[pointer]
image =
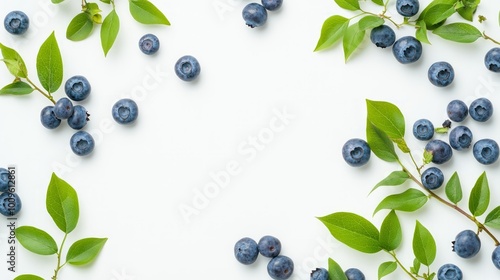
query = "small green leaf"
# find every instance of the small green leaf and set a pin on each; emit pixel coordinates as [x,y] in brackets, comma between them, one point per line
[401,143]
[352,39]
[441,130]
[408,201]
[332,30]
[385,269]
[480,196]
[493,218]
[353,230]
[396,178]
[146,12]
[57,1]
[106,1]
[378,2]
[109,31]
[421,32]
[17,88]
[430,6]
[351,5]
[369,22]
[386,117]
[438,13]
[28,276]
[458,32]
[62,204]
[453,188]
[380,144]
[390,232]
[427,157]
[468,9]
[80,27]
[85,250]
[416,266]
[335,271]
[424,245]
[49,64]
[14,62]
[36,240]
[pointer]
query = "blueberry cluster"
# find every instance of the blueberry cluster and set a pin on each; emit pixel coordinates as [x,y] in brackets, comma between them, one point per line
[10,203]
[321,273]
[255,14]
[246,251]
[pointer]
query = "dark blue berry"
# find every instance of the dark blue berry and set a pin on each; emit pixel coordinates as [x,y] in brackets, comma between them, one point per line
[272,5]
[356,152]
[48,118]
[254,14]
[481,109]
[77,88]
[407,8]
[383,36]
[407,49]
[432,178]
[457,110]
[187,68]
[320,274]
[441,74]
[149,44]
[10,204]
[485,151]
[440,150]
[63,108]
[492,60]
[246,250]
[82,143]
[125,111]
[460,138]
[423,129]
[449,272]
[467,244]
[280,267]
[4,179]
[269,246]
[354,274]
[495,257]
[16,22]
[79,118]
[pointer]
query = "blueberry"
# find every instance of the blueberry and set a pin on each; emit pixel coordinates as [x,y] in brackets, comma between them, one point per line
[466,244]
[10,204]
[485,151]
[492,60]
[481,109]
[407,8]
[125,111]
[457,110]
[77,88]
[246,250]
[82,143]
[4,179]
[16,22]
[432,178]
[320,274]
[449,272]
[272,5]
[269,246]
[495,257]
[48,118]
[254,14]
[441,74]
[354,274]
[407,49]
[63,108]
[187,68]
[280,267]
[79,118]
[460,138]
[149,44]
[356,152]
[423,129]
[383,36]
[440,150]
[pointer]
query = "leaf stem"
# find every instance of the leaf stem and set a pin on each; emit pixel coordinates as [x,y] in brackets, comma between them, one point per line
[46,94]
[489,38]
[393,254]
[59,254]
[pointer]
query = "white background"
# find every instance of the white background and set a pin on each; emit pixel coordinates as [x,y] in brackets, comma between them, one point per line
[132,187]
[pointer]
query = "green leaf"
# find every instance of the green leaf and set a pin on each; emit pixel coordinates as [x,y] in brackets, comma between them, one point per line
[396,178]
[468,9]
[453,188]
[369,22]
[386,117]
[85,250]
[109,31]
[415,269]
[28,276]
[49,64]
[390,232]
[480,196]
[36,240]
[421,32]
[146,12]
[62,204]
[458,32]
[335,271]
[17,88]
[380,144]
[378,2]
[332,30]
[14,62]
[427,157]
[106,1]
[57,1]
[408,201]
[80,27]
[493,218]
[353,230]
[352,39]
[424,245]
[401,143]
[438,13]
[351,5]
[385,269]
[430,6]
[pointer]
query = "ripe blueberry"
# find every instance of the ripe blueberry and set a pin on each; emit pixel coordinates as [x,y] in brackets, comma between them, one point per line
[440,150]
[354,274]
[77,88]
[125,111]
[246,250]
[280,267]
[407,49]
[82,143]
[485,151]
[149,44]
[460,138]
[432,178]
[10,204]
[272,5]
[457,110]
[383,36]
[356,152]
[466,244]
[187,68]
[254,14]
[481,109]
[320,274]
[495,257]
[269,246]
[48,118]
[4,179]
[492,60]
[449,272]
[441,74]
[16,22]
[407,8]
[79,118]
[423,129]
[63,108]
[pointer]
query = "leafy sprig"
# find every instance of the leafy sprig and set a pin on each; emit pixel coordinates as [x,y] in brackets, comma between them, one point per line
[63,206]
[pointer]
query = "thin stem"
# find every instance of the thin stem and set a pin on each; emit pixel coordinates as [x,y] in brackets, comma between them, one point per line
[393,254]
[491,39]
[46,94]
[59,254]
